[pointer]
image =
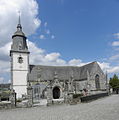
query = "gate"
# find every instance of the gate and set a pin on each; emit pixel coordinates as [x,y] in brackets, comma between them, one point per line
[39,93]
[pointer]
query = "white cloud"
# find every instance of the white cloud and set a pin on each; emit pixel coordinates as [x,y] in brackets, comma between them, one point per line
[52,56]
[52,37]
[4,52]
[4,67]
[45,24]
[5,59]
[115,43]
[39,56]
[75,62]
[114,69]
[48,32]
[9,81]
[115,57]
[1,79]
[107,67]
[104,66]
[42,37]
[9,18]
[116,35]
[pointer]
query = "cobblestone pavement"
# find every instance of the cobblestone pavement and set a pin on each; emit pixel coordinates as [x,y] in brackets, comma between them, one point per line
[102,109]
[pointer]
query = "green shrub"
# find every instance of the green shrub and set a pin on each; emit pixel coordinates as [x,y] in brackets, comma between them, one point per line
[5,94]
[19,100]
[114,82]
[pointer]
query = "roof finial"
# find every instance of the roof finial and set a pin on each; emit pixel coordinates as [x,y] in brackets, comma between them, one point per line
[55,75]
[19,27]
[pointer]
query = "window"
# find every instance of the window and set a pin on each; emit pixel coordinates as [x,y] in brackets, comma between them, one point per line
[97,82]
[20,60]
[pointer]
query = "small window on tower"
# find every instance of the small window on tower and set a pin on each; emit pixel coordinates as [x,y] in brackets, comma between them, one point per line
[20,60]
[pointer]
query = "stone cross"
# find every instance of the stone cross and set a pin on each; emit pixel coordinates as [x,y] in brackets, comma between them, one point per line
[30,96]
[49,94]
[70,83]
[13,98]
[38,74]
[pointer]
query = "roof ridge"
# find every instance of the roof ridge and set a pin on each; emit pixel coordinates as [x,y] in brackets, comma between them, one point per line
[65,65]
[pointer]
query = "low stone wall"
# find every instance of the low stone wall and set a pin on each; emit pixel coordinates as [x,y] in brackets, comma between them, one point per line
[75,101]
[5,105]
[93,97]
[57,101]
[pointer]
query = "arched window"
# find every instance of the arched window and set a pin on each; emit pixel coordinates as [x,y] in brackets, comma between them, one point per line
[97,82]
[20,60]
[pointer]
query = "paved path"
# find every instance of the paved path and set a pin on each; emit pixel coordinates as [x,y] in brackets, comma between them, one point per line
[103,109]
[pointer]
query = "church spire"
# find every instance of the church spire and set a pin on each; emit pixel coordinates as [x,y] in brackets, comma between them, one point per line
[19,39]
[19,27]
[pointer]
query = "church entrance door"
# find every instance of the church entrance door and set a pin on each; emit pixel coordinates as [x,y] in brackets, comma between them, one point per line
[56,93]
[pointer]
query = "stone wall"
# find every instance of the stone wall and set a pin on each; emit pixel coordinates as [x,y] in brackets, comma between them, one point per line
[93,97]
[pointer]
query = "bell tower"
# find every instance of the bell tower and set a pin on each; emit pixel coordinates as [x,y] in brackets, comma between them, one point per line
[19,55]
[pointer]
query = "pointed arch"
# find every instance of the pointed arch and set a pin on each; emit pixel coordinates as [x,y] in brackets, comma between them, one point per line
[56,92]
[97,82]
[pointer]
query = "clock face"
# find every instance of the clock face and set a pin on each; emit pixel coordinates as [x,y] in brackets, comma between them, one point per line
[20,60]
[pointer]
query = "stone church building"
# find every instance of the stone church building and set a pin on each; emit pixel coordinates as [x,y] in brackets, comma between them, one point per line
[50,81]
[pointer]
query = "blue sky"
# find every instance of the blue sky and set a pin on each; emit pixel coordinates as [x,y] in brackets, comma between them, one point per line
[83,29]
[62,32]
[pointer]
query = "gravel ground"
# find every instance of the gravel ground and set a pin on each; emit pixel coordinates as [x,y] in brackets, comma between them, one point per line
[102,109]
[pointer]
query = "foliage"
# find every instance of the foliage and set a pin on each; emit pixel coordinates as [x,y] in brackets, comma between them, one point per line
[19,100]
[114,81]
[4,94]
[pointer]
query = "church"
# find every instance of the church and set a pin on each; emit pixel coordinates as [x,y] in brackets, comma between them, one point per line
[62,80]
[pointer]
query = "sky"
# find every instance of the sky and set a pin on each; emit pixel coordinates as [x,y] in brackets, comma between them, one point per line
[62,32]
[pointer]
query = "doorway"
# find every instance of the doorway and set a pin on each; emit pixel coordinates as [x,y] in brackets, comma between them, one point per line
[56,93]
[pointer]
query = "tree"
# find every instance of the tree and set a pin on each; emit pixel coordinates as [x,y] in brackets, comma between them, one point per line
[114,83]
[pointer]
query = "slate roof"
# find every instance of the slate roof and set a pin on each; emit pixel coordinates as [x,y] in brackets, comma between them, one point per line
[63,72]
[19,31]
[19,41]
